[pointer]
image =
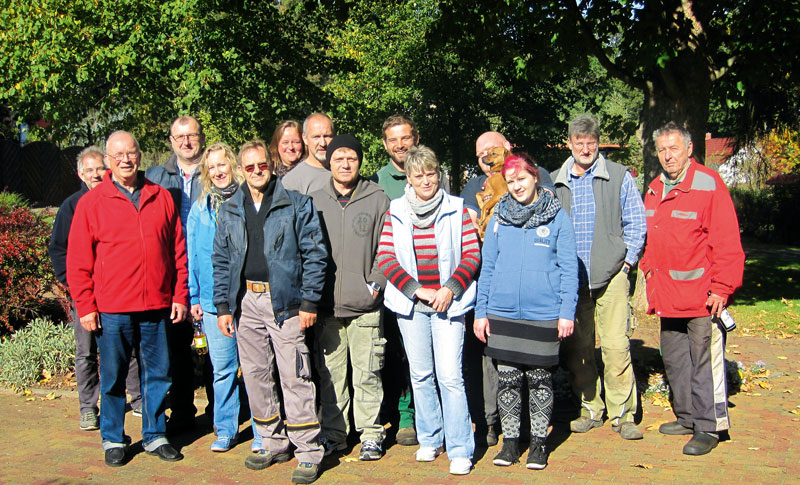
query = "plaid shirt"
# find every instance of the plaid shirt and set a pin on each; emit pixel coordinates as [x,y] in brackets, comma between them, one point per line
[634,225]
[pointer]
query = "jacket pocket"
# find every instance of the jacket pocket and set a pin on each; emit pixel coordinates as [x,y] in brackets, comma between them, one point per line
[354,292]
[505,291]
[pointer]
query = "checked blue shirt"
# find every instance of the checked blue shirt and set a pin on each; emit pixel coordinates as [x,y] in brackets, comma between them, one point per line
[634,225]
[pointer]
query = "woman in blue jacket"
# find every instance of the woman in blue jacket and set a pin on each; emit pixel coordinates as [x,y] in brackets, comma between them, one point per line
[527,293]
[219,179]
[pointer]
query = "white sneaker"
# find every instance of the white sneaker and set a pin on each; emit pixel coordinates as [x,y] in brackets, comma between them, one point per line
[460,466]
[427,453]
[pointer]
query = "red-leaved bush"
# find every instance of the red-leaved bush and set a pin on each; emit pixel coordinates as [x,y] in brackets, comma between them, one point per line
[25,271]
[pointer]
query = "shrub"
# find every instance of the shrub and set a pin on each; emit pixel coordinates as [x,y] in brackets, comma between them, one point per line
[13,199]
[25,271]
[767,214]
[40,347]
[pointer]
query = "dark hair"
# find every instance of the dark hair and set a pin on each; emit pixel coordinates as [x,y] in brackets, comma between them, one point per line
[397,120]
[521,161]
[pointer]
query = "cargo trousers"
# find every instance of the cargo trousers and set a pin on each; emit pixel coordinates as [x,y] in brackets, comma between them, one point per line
[360,341]
[264,345]
[605,311]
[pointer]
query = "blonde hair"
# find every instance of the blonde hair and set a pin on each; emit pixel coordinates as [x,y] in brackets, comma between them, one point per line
[420,159]
[205,179]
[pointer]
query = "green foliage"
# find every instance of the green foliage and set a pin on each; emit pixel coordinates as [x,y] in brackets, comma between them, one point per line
[25,272]
[42,347]
[9,200]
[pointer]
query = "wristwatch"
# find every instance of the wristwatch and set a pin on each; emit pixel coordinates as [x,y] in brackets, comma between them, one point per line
[626,269]
[374,286]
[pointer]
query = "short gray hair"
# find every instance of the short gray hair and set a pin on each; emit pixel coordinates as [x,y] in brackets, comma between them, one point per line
[92,150]
[420,158]
[673,127]
[584,125]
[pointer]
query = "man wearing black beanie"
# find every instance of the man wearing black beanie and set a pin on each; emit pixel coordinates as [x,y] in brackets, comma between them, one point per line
[353,210]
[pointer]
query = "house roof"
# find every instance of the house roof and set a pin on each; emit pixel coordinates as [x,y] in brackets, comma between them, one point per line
[718,150]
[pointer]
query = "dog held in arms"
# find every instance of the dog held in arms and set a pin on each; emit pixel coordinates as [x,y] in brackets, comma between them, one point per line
[493,189]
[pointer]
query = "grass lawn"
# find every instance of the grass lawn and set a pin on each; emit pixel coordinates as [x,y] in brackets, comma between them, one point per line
[768,303]
[769,300]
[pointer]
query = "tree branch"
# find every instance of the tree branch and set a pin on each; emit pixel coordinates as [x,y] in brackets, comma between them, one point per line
[596,48]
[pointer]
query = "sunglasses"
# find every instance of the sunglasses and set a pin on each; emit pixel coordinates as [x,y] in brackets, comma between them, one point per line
[263,167]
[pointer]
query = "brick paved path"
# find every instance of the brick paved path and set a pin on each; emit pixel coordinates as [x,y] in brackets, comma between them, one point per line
[40,443]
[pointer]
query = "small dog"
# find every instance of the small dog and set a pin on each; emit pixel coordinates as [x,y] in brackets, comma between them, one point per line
[493,189]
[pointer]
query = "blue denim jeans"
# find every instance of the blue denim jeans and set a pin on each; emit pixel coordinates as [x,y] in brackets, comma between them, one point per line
[435,343]
[119,333]
[225,362]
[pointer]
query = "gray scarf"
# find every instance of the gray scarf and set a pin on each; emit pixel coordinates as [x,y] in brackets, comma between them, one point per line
[218,196]
[511,213]
[423,213]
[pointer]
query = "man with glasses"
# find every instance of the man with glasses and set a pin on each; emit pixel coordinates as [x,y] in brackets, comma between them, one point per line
[313,173]
[180,176]
[608,215]
[126,269]
[269,271]
[91,168]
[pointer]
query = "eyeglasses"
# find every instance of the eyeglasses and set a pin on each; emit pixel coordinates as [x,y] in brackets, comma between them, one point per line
[262,167]
[188,136]
[590,145]
[120,157]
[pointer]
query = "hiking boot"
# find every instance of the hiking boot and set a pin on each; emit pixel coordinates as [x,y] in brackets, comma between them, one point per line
[628,431]
[509,454]
[407,437]
[674,428]
[89,421]
[305,473]
[537,455]
[584,424]
[701,443]
[370,451]
[264,459]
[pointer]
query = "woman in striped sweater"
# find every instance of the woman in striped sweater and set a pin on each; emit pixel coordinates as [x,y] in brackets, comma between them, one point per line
[527,295]
[429,253]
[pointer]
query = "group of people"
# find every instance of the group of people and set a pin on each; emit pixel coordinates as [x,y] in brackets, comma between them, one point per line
[309,278]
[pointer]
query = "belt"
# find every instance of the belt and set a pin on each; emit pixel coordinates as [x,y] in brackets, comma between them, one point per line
[257,287]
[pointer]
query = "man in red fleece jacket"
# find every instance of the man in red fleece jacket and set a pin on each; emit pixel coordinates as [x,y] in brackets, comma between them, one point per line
[126,269]
[693,262]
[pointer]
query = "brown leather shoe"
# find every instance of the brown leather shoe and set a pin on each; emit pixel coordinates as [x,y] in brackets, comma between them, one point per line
[407,437]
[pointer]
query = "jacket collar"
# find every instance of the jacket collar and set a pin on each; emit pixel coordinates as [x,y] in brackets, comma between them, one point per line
[280,198]
[684,185]
[108,189]
[599,170]
[171,167]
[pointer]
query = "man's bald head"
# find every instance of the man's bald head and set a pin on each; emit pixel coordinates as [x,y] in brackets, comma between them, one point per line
[486,142]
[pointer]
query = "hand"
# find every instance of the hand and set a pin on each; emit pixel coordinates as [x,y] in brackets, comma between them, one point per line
[178,313]
[91,322]
[481,328]
[307,319]
[565,327]
[716,303]
[197,312]
[225,324]
[442,298]
[426,294]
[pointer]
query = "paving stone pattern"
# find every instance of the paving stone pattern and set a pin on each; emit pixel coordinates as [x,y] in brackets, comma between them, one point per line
[40,443]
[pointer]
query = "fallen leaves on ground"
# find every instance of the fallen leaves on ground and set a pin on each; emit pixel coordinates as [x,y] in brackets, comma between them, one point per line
[646,466]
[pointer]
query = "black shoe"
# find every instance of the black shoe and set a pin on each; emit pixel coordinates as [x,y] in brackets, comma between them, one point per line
[167,453]
[509,454]
[537,455]
[115,456]
[701,443]
[674,428]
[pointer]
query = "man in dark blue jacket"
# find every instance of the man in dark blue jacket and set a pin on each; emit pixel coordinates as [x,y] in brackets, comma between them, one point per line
[267,234]
[90,170]
[180,176]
